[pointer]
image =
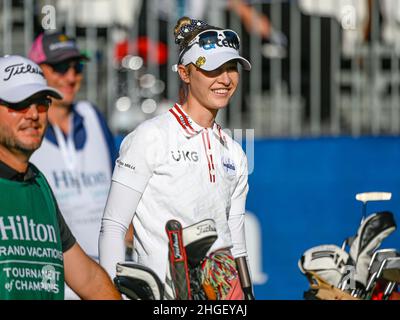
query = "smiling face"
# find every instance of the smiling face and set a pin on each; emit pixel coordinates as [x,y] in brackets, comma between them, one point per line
[21,131]
[211,89]
[67,83]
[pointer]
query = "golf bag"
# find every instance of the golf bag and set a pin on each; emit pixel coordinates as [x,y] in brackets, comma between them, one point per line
[331,268]
[213,276]
[139,282]
[320,289]
[372,231]
[188,247]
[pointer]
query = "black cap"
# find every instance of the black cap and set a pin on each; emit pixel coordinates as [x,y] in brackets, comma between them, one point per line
[55,47]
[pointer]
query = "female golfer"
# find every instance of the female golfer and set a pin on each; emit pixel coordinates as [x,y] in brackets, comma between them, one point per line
[182,166]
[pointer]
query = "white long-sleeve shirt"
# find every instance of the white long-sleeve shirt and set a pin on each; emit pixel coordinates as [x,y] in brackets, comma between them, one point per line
[171,168]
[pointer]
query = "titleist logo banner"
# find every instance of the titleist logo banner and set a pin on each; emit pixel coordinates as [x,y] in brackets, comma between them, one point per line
[18,69]
[206,227]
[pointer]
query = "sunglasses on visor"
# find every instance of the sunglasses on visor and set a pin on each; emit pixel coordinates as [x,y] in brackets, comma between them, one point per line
[18,106]
[63,67]
[210,38]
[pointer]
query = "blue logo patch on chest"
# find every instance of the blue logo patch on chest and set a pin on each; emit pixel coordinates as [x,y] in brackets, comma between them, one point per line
[228,165]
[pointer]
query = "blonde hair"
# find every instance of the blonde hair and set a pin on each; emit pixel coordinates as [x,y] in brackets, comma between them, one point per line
[182,22]
[185,30]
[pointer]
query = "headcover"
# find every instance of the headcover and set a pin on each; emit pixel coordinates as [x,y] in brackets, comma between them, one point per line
[138,282]
[328,261]
[198,239]
[372,231]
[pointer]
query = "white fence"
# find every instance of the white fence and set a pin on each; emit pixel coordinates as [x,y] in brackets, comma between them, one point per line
[338,73]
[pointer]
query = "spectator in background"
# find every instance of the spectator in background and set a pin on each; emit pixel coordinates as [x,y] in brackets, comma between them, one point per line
[254,21]
[30,220]
[78,153]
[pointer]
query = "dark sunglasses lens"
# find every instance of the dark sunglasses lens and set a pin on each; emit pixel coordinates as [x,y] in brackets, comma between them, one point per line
[63,67]
[20,105]
[207,38]
[42,102]
[79,67]
[211,37]
[232,38]
[45,102]
[14,106]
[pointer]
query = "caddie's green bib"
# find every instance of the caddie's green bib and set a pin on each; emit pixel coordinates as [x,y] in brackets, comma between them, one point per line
[31,258]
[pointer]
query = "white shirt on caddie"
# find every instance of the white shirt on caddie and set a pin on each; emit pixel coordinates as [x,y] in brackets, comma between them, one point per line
[185,172]
[80,179]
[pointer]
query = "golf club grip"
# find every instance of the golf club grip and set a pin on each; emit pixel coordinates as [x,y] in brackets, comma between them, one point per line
[244,277]
[178,260]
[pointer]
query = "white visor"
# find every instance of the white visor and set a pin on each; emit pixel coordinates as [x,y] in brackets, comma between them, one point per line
[211,52]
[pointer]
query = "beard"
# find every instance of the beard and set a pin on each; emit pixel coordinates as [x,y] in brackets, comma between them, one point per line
[10,141]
